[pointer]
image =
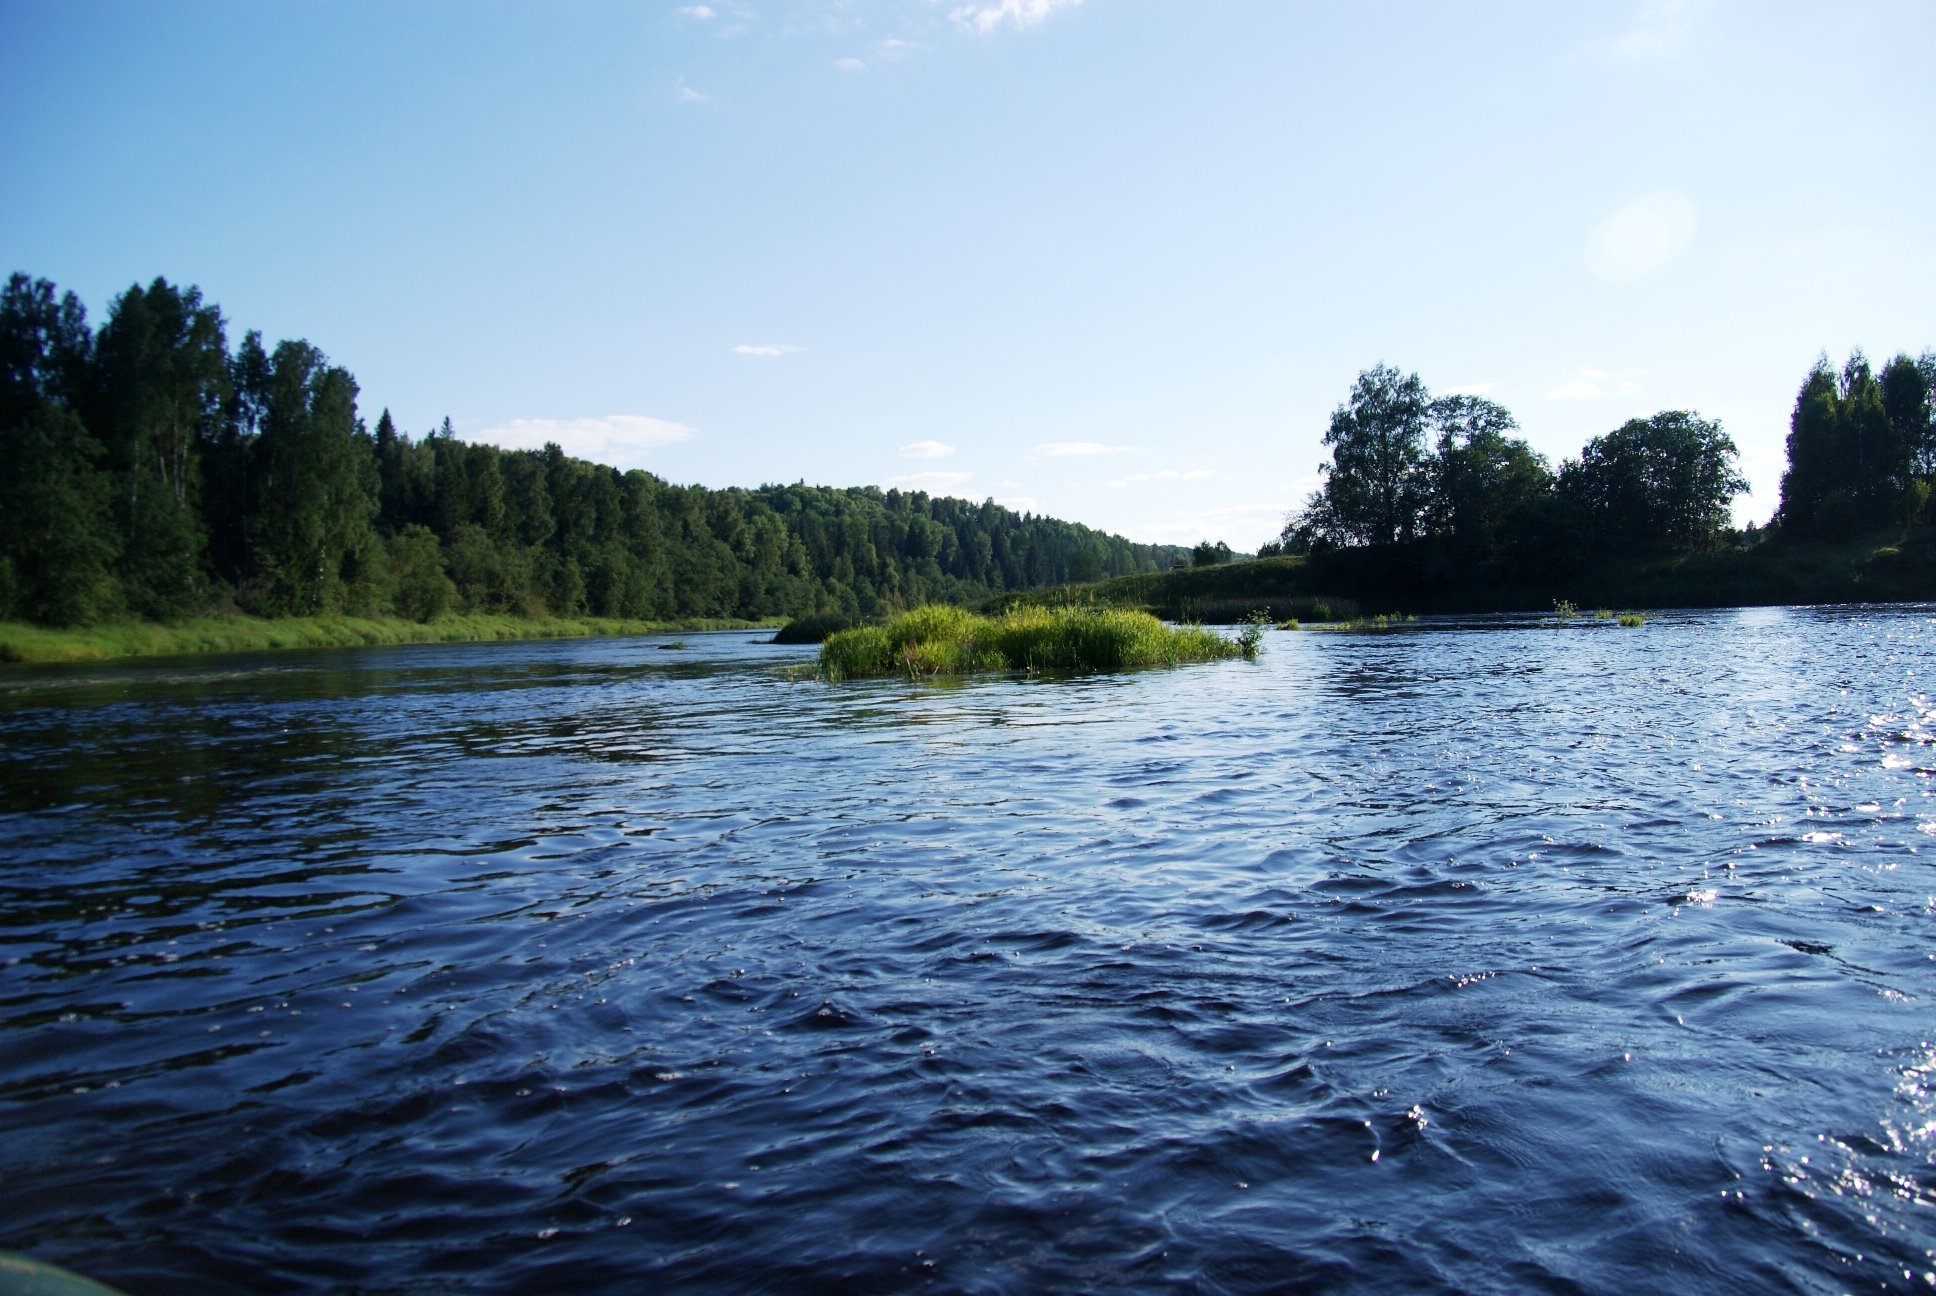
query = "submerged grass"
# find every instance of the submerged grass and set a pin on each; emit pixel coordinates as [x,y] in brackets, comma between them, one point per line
[20,642]
[942,640]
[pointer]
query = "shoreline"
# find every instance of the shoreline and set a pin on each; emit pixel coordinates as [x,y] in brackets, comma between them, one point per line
[22,643]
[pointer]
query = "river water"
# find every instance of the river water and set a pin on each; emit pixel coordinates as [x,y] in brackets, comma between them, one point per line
[1481,955]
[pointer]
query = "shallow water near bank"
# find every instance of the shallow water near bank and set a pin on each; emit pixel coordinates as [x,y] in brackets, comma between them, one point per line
[1483,955]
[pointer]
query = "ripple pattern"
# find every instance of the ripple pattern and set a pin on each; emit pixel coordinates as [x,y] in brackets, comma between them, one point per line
[1480,957]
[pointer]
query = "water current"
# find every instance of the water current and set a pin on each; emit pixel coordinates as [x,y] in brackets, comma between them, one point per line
[1482,956]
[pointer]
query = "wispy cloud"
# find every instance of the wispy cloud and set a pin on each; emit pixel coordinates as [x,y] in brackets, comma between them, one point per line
[768,351]
[1244,526]
[1472,389]
[850,65]
[926,450]
[689,95]
[620,439]
[1019,503]
[1590,383]
[699,11]
[1641,237]
[893,47]
[1163,474]
[985,16]
[1072,449]
[934,483]
[1658,28]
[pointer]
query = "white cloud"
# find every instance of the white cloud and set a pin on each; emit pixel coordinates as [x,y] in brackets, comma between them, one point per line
[926,450]
[893,47]
[1009,485]
[1578,389]
[985,16]
[850,65]
[1165,474]
[934,483]
[767,352]
[1641,237]
[689,95]
[699,11]
[1471,389]
[1066,449]
[1019,503]
[622,440]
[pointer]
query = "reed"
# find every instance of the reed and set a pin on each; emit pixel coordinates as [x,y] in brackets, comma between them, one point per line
[944,640]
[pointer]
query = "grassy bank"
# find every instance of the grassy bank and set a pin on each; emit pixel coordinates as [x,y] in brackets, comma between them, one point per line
[31,643]
[940,640]
[1886,566]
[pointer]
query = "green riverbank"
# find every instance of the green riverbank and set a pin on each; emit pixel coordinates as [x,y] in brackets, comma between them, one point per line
[20,642]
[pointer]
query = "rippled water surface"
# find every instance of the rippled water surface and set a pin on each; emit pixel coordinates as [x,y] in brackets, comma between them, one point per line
[1482,956]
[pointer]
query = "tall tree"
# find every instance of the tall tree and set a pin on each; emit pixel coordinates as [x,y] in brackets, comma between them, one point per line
[1481,478]
[1375,483]
[315,486]
[57,543]
[161,370]
[1661,484]
[1855,443]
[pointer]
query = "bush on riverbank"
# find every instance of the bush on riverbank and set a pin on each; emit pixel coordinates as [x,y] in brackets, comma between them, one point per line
[939,640]
[31,643]
[813,629]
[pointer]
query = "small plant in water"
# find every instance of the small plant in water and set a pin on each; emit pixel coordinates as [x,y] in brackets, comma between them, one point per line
[1564,611]
[1603,615]
[1288,625]
[1631,619]
[672,646]
[1250,639]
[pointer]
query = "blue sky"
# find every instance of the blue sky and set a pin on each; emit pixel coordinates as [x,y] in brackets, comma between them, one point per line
[1112,260]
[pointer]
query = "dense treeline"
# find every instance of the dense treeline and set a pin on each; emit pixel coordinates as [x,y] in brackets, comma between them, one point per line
[151,471]
[1442,492]
[1861,448]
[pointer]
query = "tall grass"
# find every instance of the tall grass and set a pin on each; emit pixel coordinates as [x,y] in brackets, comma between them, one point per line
[942,640]
[20,642]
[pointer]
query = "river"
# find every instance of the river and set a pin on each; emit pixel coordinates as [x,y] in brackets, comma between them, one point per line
[1482,955]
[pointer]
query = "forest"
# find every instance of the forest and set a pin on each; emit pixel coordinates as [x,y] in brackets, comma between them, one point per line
[154,472]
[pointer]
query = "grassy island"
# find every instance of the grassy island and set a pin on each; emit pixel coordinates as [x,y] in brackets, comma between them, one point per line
[940,640]
[20,642]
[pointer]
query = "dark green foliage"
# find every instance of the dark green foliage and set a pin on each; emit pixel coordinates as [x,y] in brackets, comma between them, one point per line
[1857,447]
[812,629]
[1658,485]
[1207,555]
[1486,486]
[58,550]
[1376,484]
[58,545]
[421,590]
[316,488]
[160,385]
[150,470]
